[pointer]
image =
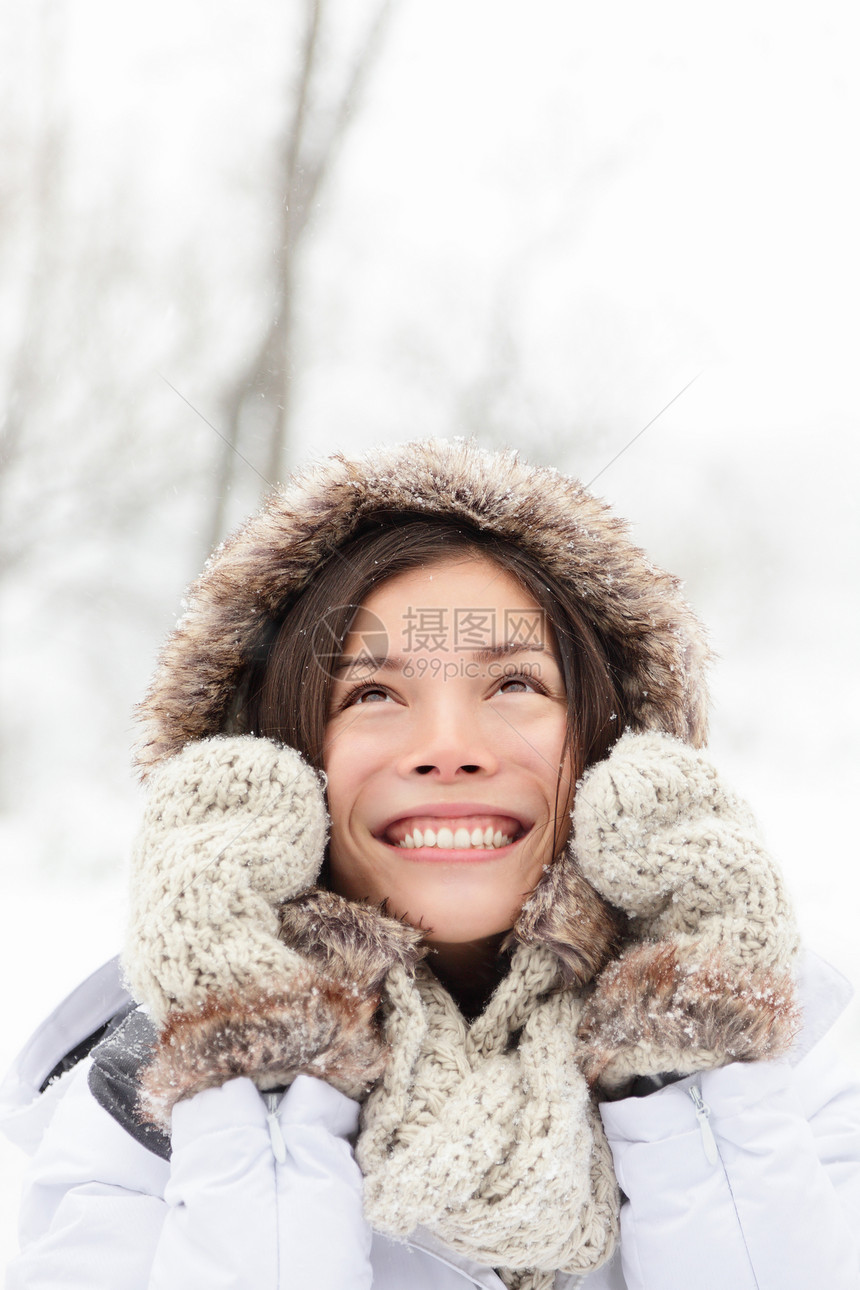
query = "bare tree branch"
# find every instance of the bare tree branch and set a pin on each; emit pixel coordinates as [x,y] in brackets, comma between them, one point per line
[294,216]
[260,395]
[27,367]
[348,101]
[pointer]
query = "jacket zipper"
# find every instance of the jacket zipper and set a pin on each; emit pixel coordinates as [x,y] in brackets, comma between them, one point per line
[279,1147]
[703,1115]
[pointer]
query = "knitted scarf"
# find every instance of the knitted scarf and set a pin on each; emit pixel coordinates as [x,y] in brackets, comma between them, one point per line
[485,1134]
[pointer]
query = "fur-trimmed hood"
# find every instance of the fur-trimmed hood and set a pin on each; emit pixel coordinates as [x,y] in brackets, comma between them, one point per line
[657,642]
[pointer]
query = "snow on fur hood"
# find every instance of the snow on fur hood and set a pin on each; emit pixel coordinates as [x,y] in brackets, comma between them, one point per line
[657,644]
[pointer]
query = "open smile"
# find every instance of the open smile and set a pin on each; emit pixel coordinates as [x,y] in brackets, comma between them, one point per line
[483,832]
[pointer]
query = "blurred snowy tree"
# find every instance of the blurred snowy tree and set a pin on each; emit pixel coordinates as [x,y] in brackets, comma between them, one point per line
[158,184]
[325,90]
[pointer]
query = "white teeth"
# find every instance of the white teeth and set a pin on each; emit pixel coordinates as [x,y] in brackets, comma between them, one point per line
[460,839]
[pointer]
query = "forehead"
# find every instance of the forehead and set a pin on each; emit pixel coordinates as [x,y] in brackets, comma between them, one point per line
[458,603]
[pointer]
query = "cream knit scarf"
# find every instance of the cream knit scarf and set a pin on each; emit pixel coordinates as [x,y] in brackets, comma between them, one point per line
[486,1134]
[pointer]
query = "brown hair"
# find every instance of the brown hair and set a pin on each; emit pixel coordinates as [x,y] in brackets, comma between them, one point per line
[288,685]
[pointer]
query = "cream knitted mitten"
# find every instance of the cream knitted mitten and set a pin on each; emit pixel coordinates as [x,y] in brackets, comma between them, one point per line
[227,944]
[707,979]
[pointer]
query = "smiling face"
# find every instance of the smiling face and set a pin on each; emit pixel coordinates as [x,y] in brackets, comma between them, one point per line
[443,751]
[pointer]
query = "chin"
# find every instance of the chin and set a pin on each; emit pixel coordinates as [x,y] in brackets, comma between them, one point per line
[451,927]
[463,936]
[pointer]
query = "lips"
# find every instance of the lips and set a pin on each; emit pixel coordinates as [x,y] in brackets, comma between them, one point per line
[482,830]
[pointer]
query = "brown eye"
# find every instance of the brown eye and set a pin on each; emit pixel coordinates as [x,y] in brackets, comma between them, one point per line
[362,693]
[525,684]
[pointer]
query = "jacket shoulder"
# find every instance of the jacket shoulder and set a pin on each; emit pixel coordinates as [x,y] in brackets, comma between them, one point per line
[31,1086]
[98,1021]
[114,1078]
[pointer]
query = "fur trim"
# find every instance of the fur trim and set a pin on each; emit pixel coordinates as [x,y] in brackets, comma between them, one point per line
[567,915]
[349,941]
[656,643]
[654,1011]
[322,1029]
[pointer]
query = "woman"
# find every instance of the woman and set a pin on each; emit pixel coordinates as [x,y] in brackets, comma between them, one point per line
[459,965]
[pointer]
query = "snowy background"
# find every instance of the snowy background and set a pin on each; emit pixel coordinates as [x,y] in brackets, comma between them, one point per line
[537,226]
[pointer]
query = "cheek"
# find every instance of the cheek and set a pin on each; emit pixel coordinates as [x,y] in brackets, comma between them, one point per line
[354,759]
[352,775]
[340,763]
[543,752]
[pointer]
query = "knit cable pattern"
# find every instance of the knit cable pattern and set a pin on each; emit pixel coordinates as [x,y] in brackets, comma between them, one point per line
[486,1135]
[707,979]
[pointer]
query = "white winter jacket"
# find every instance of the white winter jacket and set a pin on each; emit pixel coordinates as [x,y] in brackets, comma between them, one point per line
[743,1178]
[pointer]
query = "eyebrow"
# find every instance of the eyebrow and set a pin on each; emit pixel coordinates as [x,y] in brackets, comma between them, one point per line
[394,663]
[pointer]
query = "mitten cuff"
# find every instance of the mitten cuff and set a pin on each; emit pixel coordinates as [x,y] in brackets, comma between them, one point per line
[656,1009]
[567,915]
[319,1019]
[322,1028]
[347,940]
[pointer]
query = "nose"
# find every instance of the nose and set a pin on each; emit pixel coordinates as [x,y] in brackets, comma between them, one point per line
[448,743]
